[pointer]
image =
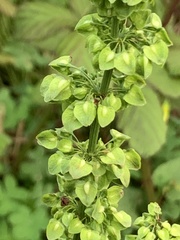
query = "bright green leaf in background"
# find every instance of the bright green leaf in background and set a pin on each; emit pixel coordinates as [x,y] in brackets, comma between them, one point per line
[163,82]
[145,125]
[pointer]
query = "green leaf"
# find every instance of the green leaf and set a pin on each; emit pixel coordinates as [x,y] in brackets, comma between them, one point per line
[88,234]
[94,44]
[67,218]
[143,66]
[116,156]
[125,62]
[124,176]
[47,139]
[54,229]
[98,169]
[133,160]
[78,167]
[143,231]
[105,115]
[98,212]
[112,101]
[134,79]
[147,128]
[106,59]
[135,96]
[114,194]
[167,85]
[157,52]
[58,163]
[123,218]
[163,234]
[61,62]
[151,236]
[132,2]
[175,230]
[65,145]
[69,120]
[155,21]
[75,226]
[86,25]
[154,209]
[55,88]
[172,167]
[86,192]
[139,18]
[119,136]
[51,199]
[173,62]
[85,112]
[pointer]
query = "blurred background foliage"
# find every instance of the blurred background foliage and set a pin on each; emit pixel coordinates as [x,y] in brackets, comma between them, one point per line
[32,33]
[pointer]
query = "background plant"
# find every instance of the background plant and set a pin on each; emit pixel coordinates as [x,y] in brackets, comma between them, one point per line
[23,63]
[124,39]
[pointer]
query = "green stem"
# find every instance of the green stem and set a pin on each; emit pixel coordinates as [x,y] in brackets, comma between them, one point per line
[94,129]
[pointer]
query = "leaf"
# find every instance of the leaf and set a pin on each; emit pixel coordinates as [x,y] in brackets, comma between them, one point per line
[105,115]
[114,194]
[155,21]
[112,101]
[65,145]
[123,218]
[54,229]
[106,59]
[116,156]
[58,163]
[173,62]
[85,112]
[145,125]
[125,62]
[47,139]
[78,167]
[61,62]
[51,199]
[167,85]
[139,18]
[143,66]
[86,192]
[172,167]
[163,234]
[98,212]
[75,226]
[88,234]
[94,43]
[175,230]
[69,120]
[85,25]
[135,96]
[157,52]
[133,160]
